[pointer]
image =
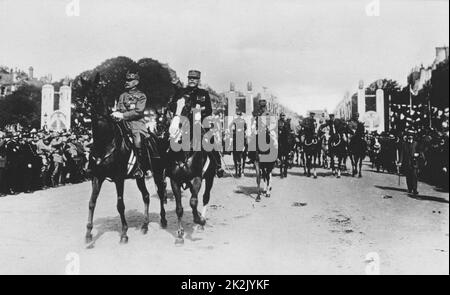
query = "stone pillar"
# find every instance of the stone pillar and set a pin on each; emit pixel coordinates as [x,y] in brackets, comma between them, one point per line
[47,100]
[380,109]
[249,99]
[231,97]
[65,103]
[361,99]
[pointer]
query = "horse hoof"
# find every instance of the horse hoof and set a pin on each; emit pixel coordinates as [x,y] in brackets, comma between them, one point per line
[359,176]
[163,223]
[338,176]
[123,240]
[200,221]
[144,229]
[315,176]
[258,199]
[88,239]
[179,241]
[267,195]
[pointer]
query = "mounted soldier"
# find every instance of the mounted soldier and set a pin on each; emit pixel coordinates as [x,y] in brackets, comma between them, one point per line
[130,108]
[195,98]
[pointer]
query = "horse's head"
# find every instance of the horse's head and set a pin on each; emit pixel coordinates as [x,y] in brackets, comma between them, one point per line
[91,91]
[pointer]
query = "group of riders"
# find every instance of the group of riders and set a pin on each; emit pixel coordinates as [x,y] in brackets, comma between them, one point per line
[123,147]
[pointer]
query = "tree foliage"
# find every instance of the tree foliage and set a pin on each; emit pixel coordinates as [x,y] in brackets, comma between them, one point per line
[23,107]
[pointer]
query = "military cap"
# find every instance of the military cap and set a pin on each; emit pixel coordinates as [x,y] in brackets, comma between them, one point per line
[262,103]
[331,114]
[132,76]
[194,74]
[311,113]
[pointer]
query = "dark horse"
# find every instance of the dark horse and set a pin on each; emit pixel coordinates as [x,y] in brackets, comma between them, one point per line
[311,147]
[187,169]
[263,168]
[110,160]
[357,149]
[337,148]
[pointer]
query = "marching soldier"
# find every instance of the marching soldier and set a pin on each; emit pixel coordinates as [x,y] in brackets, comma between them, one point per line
[130,109]
[409,157]
[195,98]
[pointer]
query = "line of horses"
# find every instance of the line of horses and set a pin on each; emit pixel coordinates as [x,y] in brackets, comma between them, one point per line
[112,150]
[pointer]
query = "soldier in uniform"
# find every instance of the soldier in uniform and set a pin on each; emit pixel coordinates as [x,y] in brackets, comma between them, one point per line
[195,98]
[409,157]
[130,108]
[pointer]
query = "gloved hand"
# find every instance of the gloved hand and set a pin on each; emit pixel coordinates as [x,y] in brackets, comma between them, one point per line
[117,115]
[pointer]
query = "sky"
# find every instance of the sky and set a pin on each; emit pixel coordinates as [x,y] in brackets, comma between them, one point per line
[307,53]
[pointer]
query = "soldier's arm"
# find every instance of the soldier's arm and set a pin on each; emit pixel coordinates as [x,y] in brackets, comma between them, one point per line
[138,111]
[208,107]
[120,105]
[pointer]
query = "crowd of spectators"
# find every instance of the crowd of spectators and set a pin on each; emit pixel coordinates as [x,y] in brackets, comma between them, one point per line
[38,159]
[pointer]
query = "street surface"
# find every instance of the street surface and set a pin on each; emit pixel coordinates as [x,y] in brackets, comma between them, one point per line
[308,226]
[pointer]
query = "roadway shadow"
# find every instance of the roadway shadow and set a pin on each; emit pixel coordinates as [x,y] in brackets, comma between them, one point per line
[417,197]
[391,188]
[135,219]
[247,190]
[428,198]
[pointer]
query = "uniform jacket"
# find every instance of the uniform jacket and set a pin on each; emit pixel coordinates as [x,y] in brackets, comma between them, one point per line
[194,97]
[407,153]
[132,105]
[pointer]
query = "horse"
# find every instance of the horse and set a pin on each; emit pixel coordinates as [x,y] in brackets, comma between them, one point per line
[188,169]
[263,168]
[357,149]
[337,148]
[110,159]
[311,147]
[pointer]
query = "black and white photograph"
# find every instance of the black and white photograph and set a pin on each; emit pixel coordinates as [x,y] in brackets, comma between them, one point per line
[224,137]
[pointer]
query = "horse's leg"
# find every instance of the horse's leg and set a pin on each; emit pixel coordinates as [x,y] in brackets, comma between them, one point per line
[314,166]
[96,186]
[258,180]
[244,158]
[269,184]
[332,164]
[179,210]
[339,160]
[159,179]
[209,180]
[146,198]
[196,185]
[360,166]
[121,208]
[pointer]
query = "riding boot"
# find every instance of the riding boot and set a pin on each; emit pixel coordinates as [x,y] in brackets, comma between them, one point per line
[138,173]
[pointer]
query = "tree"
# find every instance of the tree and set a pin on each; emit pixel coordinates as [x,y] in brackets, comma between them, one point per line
[23,107]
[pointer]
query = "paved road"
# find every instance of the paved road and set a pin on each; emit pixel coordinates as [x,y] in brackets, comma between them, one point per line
[308,226]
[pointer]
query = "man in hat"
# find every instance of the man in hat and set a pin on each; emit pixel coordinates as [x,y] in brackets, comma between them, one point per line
[130,108]
[194,98]
[409,156]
